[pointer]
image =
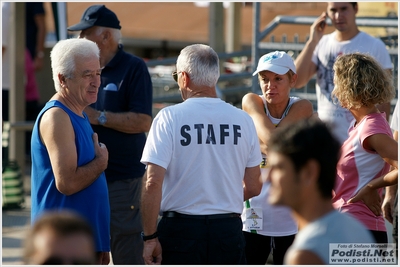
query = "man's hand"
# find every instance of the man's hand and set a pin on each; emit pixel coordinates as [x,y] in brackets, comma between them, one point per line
[152,252]
[318,27]
[100,150]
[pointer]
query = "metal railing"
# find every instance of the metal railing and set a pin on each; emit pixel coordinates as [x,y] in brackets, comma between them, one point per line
[233,86]
[165,88]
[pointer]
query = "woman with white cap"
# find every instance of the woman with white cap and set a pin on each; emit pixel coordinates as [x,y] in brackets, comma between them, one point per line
[269,227]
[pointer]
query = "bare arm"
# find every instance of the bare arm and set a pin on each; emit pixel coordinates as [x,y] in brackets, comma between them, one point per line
[58,136]
[303,257]
[388,202]
[254,106]
[390,194]
[252,183]
[150,208]
[369,195]
[300,110]
[304,65]
[41,36]
[384,146]
[126,122]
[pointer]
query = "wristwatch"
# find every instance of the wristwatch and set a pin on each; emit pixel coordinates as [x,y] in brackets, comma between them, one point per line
[102,118]
[148,237]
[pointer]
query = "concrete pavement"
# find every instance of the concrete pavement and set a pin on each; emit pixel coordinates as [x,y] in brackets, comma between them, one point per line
[15,225]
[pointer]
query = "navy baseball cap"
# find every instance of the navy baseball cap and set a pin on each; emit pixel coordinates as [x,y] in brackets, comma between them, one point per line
[96,15]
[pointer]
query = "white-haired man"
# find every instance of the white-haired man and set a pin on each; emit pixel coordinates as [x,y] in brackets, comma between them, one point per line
[121,116]
[68,162]
[202,160]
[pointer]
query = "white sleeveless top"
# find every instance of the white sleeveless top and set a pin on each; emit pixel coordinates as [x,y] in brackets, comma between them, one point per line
[276,220]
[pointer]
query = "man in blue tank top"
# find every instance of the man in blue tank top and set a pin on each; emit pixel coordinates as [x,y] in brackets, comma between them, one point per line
[68,162]
[121,116]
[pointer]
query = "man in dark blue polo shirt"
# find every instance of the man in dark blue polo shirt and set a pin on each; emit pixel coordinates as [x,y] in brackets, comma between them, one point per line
[120,117]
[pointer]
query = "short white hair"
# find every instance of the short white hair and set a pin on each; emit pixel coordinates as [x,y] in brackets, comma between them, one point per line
[201,63]
[64,55]
[115,33]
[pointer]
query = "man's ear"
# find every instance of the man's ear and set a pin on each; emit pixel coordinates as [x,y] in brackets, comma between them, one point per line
[185,79]
[106,35]
[62,79]
[310,172]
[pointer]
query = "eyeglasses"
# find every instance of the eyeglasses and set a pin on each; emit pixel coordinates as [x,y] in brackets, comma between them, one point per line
[175,75]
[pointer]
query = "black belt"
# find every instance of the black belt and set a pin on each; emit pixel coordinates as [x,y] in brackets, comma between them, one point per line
[173,214]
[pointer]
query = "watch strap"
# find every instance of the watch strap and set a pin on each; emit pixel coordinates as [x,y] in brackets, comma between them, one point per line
[148,237]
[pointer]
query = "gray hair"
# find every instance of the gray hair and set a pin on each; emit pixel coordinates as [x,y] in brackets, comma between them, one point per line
[115,33]
[64,54]
[201,63]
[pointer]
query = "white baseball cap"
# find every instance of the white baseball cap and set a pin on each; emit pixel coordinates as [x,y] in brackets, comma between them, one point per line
[278,62]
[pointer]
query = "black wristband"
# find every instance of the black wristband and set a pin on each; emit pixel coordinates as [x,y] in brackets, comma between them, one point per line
[148,237]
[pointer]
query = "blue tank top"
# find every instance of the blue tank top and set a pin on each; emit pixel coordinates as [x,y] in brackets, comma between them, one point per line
[92,202]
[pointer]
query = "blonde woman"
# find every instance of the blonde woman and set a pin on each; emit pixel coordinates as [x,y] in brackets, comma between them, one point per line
[370,150]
